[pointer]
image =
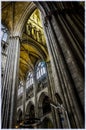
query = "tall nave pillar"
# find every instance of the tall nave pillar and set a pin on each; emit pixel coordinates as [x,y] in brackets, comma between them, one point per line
[64,28]
[10,83]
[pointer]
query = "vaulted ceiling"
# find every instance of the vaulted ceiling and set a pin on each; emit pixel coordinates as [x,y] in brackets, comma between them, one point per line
[31,50]
[12,12]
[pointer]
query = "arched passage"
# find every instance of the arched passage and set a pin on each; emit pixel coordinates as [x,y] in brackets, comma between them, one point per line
[43,104]
[30,111]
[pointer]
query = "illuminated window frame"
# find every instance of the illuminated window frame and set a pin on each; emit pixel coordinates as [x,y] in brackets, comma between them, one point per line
[4,33]
[41,70]
[29,80]
[20,90]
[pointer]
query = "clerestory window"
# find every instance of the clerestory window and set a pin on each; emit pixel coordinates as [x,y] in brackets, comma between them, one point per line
[29,80]
[41,70]
[20,90]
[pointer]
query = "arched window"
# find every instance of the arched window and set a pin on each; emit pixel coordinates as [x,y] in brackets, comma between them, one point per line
[20,90]
[41,70]
[29,80]
[4,33]
[4,37]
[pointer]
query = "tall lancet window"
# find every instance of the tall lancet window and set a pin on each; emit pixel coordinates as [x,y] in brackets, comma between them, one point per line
[20,90]
[41,70]
[29,80]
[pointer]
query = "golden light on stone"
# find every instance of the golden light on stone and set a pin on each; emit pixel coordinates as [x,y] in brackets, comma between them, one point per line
[34,47]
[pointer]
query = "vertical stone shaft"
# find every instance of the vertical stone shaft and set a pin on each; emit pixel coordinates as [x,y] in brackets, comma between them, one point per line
[71,59]
[9,87]
[64,48]
[5,95]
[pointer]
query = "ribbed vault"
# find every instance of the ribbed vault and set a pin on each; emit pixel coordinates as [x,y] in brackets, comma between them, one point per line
[12,12]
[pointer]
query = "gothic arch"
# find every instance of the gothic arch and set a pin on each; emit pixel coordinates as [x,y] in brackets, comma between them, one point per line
[19,27]
[30,109]
[29,10]
[41,109]
[33,50]
[28,106]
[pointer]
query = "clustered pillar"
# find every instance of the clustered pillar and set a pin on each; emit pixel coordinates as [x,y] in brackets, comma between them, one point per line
[64,28]
[10,83]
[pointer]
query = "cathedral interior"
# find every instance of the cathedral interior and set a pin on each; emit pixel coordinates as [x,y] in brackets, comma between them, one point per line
[42,64]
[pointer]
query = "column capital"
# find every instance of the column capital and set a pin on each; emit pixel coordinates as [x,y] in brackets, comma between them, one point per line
[14,37]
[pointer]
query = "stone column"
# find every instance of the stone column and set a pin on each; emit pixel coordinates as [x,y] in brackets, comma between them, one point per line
[10,84]
[64,41]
